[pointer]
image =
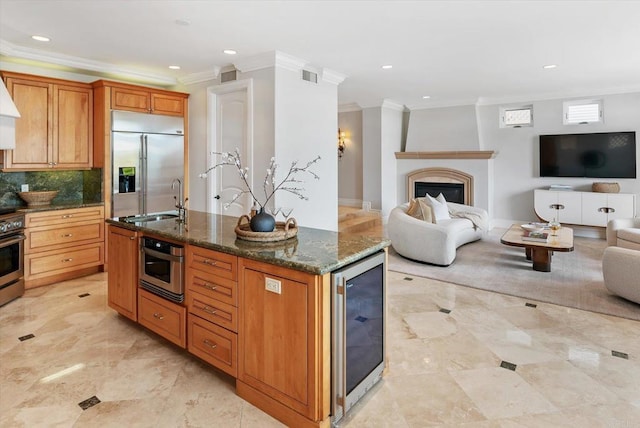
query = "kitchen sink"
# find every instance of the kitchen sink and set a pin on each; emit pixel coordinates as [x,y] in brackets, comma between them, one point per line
[148,218]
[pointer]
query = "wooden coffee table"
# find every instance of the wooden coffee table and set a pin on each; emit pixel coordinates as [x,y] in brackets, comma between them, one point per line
[540,252]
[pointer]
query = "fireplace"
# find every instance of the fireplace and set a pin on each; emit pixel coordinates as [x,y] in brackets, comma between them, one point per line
[455,185]
[452,192]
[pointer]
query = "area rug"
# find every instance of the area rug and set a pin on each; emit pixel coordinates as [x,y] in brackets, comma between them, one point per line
[575,279]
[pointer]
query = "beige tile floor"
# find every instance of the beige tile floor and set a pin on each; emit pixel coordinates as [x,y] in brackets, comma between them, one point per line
[445,369]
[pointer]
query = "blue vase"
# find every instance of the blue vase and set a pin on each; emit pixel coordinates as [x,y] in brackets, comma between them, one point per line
[262,222]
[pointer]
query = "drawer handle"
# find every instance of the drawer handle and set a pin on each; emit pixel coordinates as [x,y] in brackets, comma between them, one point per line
[209,262]
[208,309]
[158,316]
[67,235]
[209,286]
[210,344]
[66,260]
[67,216]
[556,206]
[606,210]
[132,238]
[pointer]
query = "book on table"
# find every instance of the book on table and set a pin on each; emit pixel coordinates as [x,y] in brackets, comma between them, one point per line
[535,236]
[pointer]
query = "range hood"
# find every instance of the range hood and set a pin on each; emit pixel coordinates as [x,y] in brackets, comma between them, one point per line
[8,115]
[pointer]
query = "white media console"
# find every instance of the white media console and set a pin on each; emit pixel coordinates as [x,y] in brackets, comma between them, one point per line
[583,208]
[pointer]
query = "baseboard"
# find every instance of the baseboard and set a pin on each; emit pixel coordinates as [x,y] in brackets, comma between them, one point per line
[345,202]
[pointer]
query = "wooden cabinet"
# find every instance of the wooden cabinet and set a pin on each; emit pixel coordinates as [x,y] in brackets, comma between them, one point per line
[123,274]
[147,101]
[163,317]
[55,129]
[212,300]
[283,346]
[599,208]
[568,204]
[583,208]
[62,244]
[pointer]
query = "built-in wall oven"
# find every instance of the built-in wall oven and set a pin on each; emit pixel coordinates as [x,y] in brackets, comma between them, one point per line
[162,268]
[358,331]
[11,255]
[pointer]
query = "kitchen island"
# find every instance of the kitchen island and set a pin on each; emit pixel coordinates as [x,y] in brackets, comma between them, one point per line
[260,312]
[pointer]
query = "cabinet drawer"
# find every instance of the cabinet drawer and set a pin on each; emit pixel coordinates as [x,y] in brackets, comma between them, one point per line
[162,317]
[213,310]
[220,264]
[47,218]
[61,261]
[42,238]
[224,290]
[213,344]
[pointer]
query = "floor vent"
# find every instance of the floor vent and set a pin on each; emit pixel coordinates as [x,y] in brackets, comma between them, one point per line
[309,76]
[229,76]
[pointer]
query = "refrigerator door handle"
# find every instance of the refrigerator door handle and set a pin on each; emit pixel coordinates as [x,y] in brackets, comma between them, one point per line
[143,178]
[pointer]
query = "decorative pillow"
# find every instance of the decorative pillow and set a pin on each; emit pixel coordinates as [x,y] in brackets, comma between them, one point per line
[439,206]
[414,209]
[427,211]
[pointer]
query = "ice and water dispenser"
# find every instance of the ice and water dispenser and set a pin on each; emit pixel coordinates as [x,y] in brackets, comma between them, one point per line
[127,179]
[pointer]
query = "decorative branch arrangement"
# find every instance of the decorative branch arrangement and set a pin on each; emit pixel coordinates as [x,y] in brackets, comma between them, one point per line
[290,183]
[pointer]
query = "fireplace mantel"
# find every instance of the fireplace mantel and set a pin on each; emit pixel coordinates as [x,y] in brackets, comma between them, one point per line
[458,154]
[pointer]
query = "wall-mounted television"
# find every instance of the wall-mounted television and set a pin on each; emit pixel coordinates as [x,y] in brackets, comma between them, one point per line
[596,155]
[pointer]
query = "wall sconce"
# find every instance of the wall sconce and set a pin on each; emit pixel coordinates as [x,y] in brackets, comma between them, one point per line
[341,146]
[8,115]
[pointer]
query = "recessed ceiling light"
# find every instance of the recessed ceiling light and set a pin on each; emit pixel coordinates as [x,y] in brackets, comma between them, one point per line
[549,66]
[41,38]
[230,51]
[426,97]
[387,67]
[174,67]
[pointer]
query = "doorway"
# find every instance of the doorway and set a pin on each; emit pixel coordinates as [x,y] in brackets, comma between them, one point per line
[230,122]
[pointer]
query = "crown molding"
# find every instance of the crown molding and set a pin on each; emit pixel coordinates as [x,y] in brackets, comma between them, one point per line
[331,76]
[392,105]
[268,60]
[11,50]
[345,108]
[204,76]
[578,93]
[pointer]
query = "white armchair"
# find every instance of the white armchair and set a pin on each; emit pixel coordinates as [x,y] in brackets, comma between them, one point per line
[624,232]
[621,271]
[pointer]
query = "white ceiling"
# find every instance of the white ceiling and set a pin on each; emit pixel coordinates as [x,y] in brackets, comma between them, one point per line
[457,52]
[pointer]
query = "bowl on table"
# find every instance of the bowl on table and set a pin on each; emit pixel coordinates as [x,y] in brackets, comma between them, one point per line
[532,227]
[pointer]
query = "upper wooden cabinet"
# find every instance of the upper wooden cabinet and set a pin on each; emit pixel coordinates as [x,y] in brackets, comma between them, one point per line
[145,100]
[55,129]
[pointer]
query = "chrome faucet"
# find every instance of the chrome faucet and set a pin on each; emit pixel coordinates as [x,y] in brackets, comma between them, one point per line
[180,203]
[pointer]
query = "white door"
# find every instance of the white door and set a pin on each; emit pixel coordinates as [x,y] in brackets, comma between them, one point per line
[231,131]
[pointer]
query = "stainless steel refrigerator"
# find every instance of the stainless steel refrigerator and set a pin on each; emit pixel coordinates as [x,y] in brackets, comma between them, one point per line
[147,155]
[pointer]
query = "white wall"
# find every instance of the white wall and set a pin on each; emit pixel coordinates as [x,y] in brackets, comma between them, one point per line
[443,129]
[516,165]
[391,136]
[197,144]
[306,121]
[371,156]
[350,166]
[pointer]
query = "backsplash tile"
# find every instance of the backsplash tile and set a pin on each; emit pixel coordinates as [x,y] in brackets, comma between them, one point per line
[73,186]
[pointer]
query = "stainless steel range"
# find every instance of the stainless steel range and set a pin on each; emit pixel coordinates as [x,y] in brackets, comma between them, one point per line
[11,255]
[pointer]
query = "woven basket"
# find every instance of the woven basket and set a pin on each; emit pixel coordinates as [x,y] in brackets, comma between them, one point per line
[605,187]
[35,199]
[283,231]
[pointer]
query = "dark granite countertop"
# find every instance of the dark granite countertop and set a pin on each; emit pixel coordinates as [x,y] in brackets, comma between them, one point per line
[312,250]
[62,206]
